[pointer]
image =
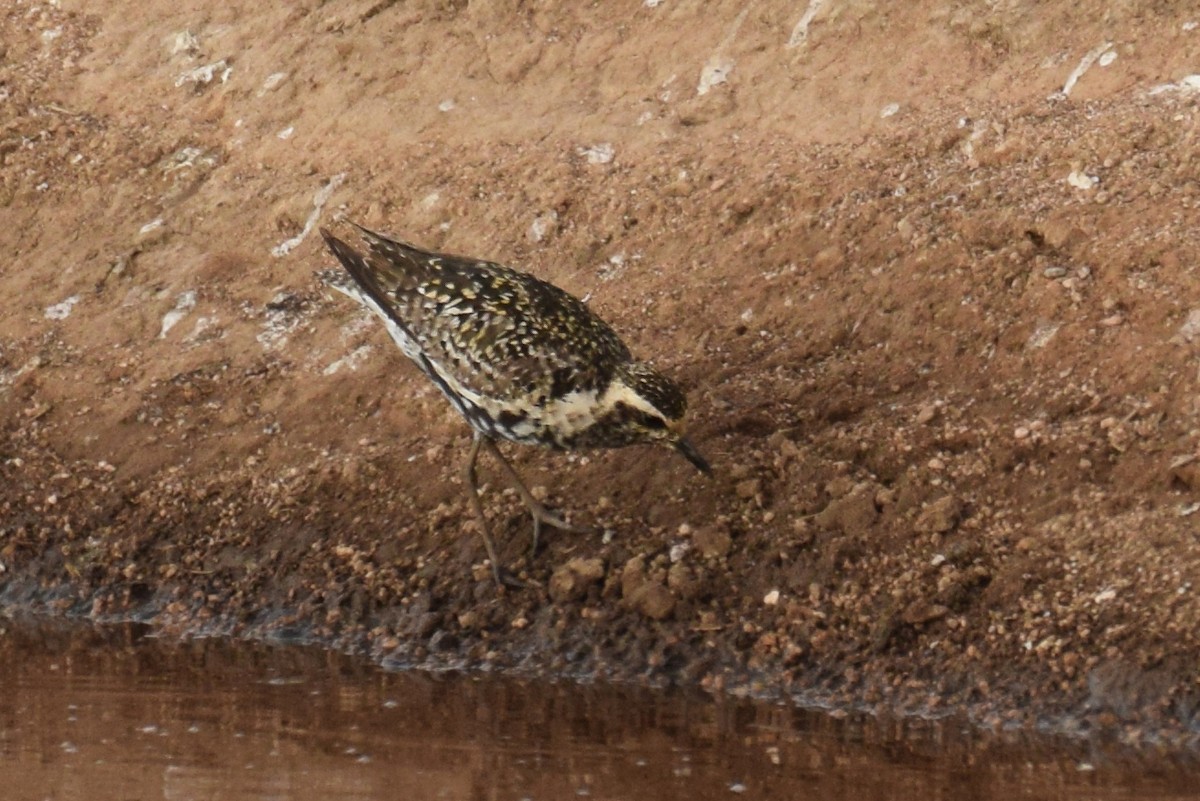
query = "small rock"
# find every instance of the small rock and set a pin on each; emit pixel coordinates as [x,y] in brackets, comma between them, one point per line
[644,595]
[680,187]
[771,598]
[1081,180]
[919,612]
[1055,272]
[601,153]
[542,225]
[715,73]
[684,582]
[1186,470]
[653,600]
[571,581]
[787,447]
[184,42]
[1060,234]
[803,532]
[712,542]
[1191,326]
[743,207]
[633,576]
[940,516]
[204,75]
[926,414]
[61,311]
[272,82]
[748,489]
[850,513]
[840,487]
[152,233]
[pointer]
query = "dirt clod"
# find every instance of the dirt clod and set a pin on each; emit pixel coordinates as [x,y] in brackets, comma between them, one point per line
[852,512]
[712,541]
[571,581]
[940,516]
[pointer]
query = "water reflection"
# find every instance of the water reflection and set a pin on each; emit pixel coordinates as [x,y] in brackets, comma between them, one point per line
[113,714]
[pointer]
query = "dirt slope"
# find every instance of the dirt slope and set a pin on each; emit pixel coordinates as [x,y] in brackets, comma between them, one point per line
[927,269]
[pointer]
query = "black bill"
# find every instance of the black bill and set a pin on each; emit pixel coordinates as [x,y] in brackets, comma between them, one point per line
[692,455]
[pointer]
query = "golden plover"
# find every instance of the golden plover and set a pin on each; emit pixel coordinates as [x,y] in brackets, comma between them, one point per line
[518,357]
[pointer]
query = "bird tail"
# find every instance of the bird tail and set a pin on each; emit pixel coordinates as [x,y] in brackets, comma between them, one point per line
[367,285]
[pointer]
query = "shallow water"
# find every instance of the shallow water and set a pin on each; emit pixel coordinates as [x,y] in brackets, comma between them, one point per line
[113,713]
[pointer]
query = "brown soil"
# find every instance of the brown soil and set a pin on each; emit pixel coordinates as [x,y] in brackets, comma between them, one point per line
[944,359]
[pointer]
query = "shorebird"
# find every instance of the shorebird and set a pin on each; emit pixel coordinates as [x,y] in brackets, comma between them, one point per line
[519,358]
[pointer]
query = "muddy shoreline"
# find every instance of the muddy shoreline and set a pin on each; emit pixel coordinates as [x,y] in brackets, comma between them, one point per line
[321,596]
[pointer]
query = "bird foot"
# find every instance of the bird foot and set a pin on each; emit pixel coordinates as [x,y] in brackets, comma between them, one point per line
[505,578]
[542,515]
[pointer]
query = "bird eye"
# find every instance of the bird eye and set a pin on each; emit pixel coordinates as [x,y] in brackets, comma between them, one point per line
[650,421]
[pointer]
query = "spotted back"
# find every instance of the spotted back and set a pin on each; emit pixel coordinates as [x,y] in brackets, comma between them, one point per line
[499,333]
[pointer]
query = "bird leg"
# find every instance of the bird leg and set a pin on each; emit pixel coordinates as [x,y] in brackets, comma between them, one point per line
[539,512]
[473,490]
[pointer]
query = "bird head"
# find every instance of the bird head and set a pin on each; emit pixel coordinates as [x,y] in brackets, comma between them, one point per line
[651,408]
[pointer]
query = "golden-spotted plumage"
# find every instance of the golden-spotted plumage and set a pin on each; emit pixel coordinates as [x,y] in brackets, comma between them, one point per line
[520,358]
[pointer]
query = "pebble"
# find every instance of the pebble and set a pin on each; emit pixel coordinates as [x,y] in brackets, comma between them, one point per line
[919,612]
[653,600]
[272,82]
[850,513]
[1055,272]
[602,153]
[542,225]
[940,516]
[748,489]
[684,582]
[1191,326]
[571,581]
[1186,470]
[712,542]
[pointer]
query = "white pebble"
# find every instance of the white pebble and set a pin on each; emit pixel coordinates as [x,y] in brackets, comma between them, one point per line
[1081,180]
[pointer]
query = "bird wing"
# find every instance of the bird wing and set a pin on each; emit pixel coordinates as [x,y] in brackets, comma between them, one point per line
[494,331]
